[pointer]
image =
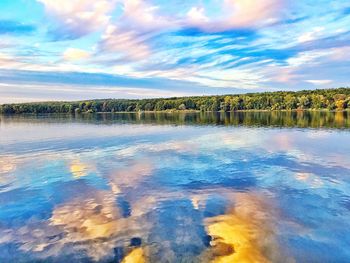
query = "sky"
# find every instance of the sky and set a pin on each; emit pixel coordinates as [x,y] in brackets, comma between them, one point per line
[85,49]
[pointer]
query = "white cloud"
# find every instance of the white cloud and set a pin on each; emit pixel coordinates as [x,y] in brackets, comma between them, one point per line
[308,57]
[319,81]
[75,54]
[197,15]
[311,35]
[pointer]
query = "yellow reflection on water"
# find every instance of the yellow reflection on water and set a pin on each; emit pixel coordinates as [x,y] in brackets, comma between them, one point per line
[135,256]
[245,233]
[79,169]
[7,164]
[195,200]
[339,118]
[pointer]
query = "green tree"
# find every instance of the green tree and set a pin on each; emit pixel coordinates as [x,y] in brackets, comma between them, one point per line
[182,107]
[303,102]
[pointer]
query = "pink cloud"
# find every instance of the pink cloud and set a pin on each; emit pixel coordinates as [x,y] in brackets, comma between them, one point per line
[237,14]
[126,43]
[77,18]
[142,16]
[244,13]
[128,35]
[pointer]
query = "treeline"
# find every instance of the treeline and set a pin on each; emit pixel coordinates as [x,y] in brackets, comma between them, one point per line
[331,99]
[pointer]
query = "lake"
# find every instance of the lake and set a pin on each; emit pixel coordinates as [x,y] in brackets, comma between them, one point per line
[195,187]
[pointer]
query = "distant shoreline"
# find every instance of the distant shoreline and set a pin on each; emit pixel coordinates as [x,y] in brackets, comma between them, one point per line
[182,111]
[199,111]
[306,100]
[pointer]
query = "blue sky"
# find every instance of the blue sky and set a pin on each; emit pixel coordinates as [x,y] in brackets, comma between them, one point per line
[84,49]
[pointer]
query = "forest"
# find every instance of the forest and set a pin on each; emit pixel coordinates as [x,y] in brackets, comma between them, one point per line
[328,99]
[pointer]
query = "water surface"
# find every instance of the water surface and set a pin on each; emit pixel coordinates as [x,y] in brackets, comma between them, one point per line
[244,187]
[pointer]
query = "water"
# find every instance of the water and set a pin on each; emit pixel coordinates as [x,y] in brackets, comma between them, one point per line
[245,187]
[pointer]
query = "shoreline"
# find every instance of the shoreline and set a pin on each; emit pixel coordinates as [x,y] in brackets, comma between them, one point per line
[182,111]
[330,100]
[199,111]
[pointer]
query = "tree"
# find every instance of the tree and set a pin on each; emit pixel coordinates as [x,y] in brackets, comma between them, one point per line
[340,104]
[339,97]
[316,99]
[190,104]
[105,106]
[214,105]
[303,102]
[7,109]
[225,105]
[81,105]
[148,107]
[182,107]
[235,104]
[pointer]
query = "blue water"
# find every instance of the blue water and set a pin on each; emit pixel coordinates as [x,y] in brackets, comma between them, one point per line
[139,189]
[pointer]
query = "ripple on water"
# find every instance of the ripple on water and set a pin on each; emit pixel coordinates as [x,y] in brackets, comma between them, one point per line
[90,190]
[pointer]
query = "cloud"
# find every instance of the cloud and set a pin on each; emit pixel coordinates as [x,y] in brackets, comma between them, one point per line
[196,15]
[311,35]
[182,47]
[77,18]
[19,86]
[14,27]
[128,35]
[340,53]
[141,16]
[319,81]
[236,14]
[75,54]
[309,68]
[24,86]
[131,36]
[127,44]
[245,13]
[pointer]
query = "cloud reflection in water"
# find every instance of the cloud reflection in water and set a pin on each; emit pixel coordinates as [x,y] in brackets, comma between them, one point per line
[246,232]
[151,193]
